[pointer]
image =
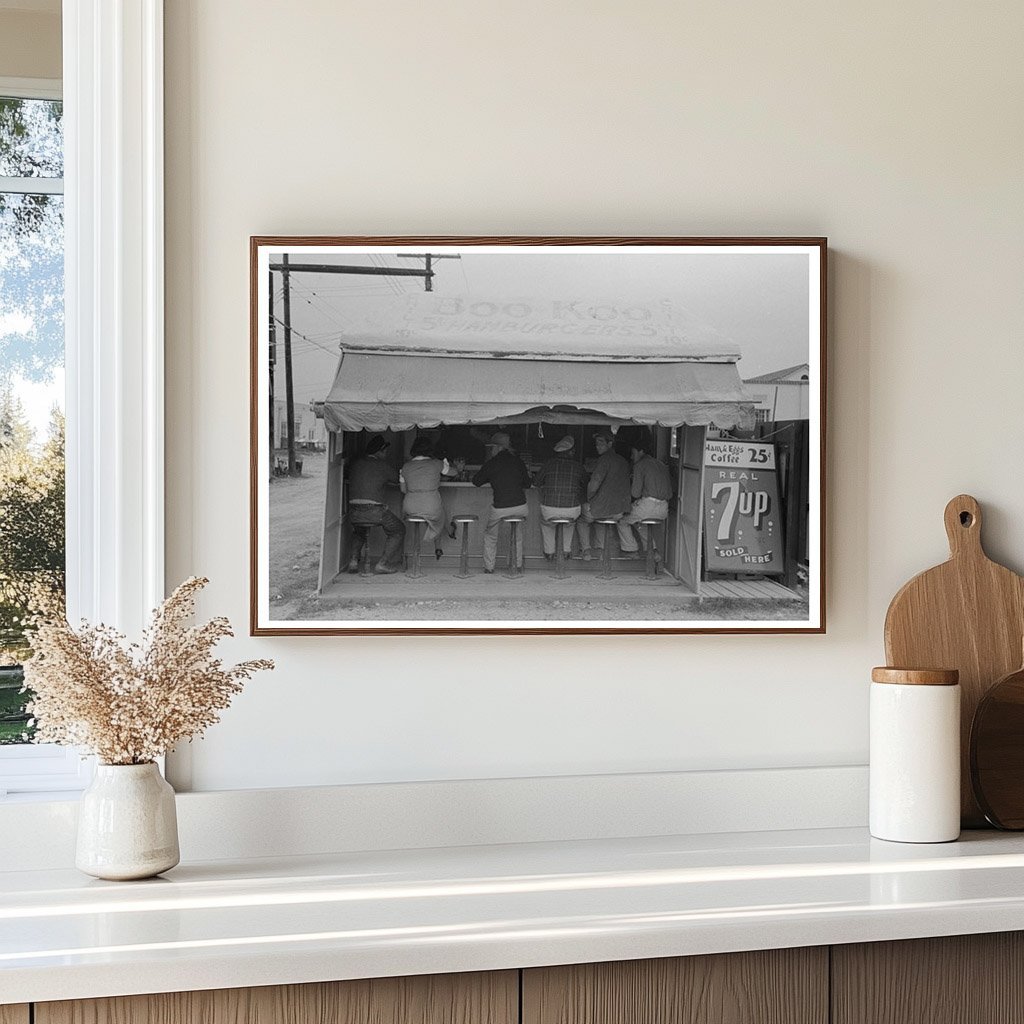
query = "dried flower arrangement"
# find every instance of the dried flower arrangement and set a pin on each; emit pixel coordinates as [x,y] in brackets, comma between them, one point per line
[129,704]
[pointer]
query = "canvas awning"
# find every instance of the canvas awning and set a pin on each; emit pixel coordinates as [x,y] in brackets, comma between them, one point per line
[376,391]
[425,359]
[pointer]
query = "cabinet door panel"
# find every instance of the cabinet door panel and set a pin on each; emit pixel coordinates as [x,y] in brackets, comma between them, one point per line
[14,1014]
[962,979]
[778,986]
[490,998]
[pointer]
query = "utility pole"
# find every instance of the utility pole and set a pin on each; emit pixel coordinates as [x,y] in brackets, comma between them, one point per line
[285,268]
[273,364]
[289,393]
[334,268]
[338,268]
[428,259]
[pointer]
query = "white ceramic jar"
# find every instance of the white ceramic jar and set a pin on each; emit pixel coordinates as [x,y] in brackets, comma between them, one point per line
[915,755]
[127,823]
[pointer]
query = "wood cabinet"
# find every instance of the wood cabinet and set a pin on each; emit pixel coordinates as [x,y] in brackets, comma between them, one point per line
[963,979]
[777,986]
[491,998]
[971,979]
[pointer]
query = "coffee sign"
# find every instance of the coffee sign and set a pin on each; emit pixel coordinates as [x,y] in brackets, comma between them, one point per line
[742,520]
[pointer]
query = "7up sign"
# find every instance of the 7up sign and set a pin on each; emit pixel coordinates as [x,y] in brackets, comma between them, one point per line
[742,516]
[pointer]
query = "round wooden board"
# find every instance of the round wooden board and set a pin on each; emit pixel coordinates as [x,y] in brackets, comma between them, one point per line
[997,752]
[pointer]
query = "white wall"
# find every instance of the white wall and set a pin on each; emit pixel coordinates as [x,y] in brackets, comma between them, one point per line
[894,129]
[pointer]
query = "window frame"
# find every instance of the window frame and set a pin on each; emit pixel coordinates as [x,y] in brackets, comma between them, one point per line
[31,89]
[112,89]
[38,767]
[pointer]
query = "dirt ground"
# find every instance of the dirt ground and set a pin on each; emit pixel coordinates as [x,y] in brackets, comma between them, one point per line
[296,506]
[497,609]
[296,519]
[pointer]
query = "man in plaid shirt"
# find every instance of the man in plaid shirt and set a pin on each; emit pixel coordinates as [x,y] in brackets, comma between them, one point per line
[560,483]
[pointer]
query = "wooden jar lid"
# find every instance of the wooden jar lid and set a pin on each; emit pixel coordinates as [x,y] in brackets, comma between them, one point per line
[916,676]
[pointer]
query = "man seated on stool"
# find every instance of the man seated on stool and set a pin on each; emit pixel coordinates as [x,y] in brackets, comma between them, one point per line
[509,478]
[368,478]
[560,482]
[607,493]
[652,487]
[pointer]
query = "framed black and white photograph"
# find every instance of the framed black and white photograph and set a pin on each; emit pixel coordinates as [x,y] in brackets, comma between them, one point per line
[537,435]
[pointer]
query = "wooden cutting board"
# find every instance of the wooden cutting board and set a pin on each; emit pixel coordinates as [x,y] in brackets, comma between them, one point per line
[967,614]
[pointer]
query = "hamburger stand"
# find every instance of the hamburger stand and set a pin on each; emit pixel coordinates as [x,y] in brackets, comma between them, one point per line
[460,369]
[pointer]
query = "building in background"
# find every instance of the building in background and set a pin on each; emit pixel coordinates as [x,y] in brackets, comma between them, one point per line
[781,395]
[310,429]
[782,411]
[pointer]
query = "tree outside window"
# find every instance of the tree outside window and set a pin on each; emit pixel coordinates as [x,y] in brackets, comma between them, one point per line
[31,385]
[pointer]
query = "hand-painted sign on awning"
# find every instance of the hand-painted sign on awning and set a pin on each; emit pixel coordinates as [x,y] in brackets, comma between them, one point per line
[742,517]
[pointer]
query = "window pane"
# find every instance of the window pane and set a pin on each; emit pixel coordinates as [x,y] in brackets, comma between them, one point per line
[31,430]
[31,138]
[14,726]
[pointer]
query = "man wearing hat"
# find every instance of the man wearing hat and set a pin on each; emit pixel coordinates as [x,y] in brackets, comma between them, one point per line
[508,478]
[560,482]
[368,480]
[608,494]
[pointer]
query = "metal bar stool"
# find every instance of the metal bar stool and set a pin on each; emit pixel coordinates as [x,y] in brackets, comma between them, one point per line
[606,552]
[364,556]
[464,572]
[418,523]
[515,570]
[559,525]
[652,566]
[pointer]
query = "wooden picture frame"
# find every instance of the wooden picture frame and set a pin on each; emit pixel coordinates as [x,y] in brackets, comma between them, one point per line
[476,346]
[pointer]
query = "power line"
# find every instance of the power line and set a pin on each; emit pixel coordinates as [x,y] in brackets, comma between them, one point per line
[323,308]
[378,259]
[305,337]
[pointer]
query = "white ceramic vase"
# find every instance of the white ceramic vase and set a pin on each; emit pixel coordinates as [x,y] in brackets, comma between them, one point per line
[127,825]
